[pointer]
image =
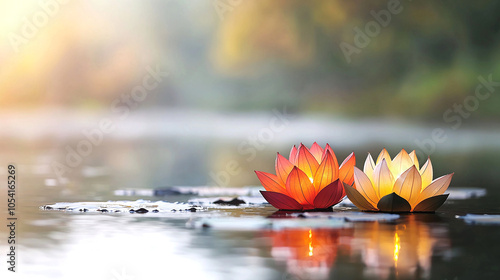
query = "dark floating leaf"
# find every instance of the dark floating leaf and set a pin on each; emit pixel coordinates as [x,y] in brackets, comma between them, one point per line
[235,201]
[393,203]
[141,211]
[431,204]
[167,191]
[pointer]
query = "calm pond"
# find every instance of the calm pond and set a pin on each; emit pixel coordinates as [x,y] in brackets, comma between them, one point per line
[249,241]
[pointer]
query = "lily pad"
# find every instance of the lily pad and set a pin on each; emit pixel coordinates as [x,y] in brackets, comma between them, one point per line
[351,216]
[481,219]
[138,206]
[465,193]
[228,202]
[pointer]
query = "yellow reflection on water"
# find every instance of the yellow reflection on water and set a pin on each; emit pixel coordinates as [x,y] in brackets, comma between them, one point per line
[397,246]
[403,250]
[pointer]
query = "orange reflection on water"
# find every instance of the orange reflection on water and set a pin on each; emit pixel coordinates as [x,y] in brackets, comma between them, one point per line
[310,244]
[308,253]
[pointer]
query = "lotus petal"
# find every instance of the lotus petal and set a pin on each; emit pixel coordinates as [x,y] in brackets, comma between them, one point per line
[431,204]
[357,199]
[382,179]
[306,161]
[384,155]
[293,155]
[329,195]
[369,166]
[408,185]
[328,150]
[401,163]
[364,186]
[393,203]
[414,159]
[437,187]
[281,201]
[299,187]
[316,151]
[271,182]
[426,173]
[346,171]
[283,168]
[325,173]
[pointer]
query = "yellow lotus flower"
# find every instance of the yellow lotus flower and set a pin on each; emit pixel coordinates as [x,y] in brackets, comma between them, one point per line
[397,185]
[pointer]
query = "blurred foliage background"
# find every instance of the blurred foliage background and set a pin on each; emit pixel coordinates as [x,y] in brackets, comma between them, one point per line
[253,55]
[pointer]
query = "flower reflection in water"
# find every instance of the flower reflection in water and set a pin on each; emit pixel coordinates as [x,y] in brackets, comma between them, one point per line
[383,250]
[403,250]
[308,253]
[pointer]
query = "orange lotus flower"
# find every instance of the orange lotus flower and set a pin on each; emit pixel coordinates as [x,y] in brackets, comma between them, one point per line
[310,179]
[397,185]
